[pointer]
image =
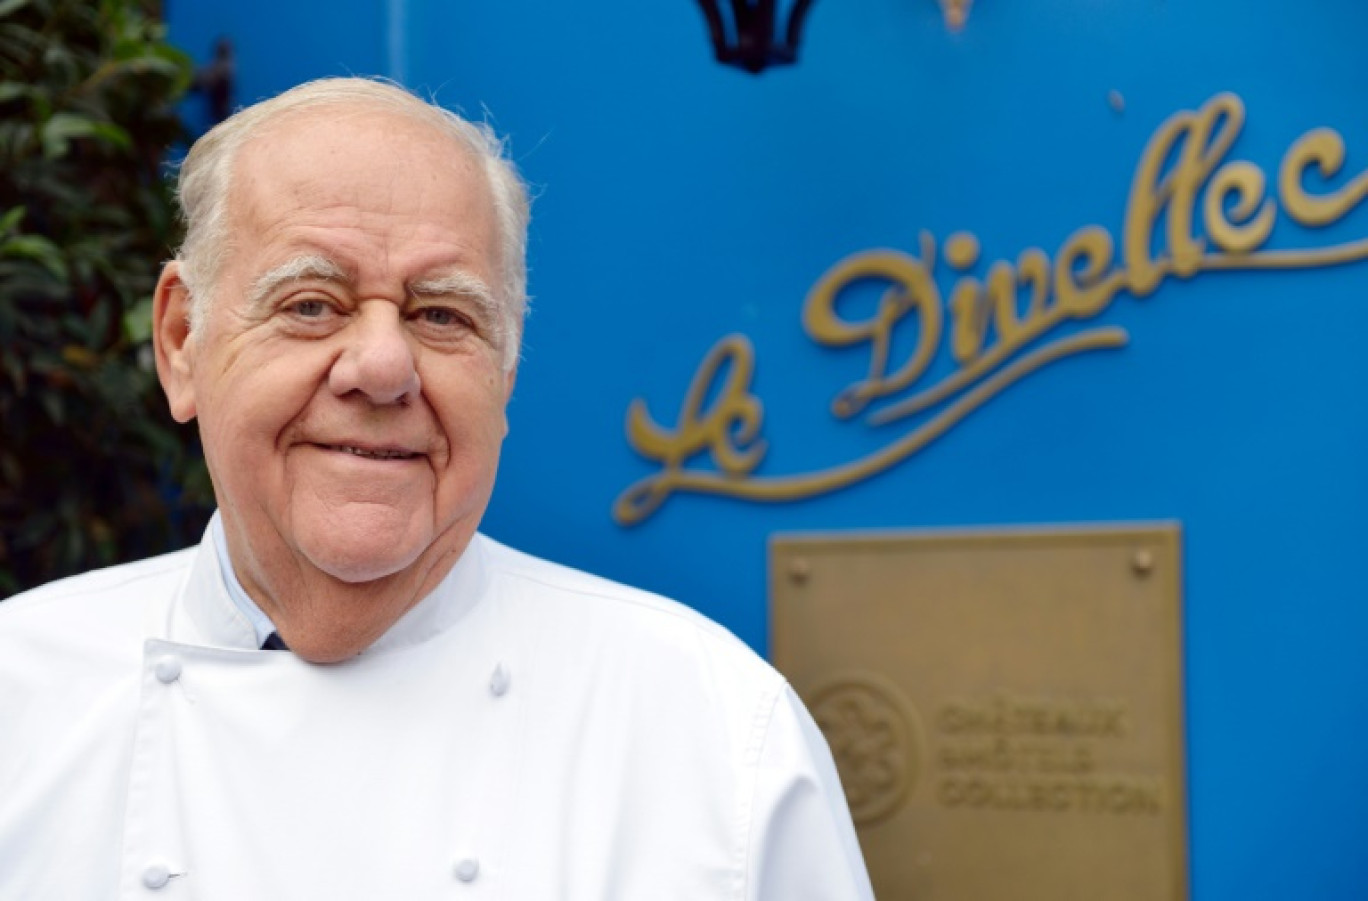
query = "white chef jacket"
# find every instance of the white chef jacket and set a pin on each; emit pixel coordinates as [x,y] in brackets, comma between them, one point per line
[525,732]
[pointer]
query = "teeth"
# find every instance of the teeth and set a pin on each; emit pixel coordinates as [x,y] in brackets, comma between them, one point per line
[374,455]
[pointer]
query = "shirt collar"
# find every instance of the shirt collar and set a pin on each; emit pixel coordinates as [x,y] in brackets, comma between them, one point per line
[259,620]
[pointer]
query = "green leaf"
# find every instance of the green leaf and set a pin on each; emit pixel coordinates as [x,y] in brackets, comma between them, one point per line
[53,406]
[39,249]
[11,219]
[113,134]
[10,7]
[12,90]
[137,322]
[62,128]
[15,138]
[14,367]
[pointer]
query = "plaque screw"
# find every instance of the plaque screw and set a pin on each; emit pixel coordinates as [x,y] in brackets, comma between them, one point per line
[1143,562]
[800,569]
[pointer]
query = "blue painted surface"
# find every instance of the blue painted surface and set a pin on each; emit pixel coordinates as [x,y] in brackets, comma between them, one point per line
[679,201]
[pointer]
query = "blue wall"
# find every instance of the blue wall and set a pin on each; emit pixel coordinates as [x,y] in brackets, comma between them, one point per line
[679,201]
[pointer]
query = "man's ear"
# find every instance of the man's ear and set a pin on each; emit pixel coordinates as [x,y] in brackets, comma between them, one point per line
[173,342]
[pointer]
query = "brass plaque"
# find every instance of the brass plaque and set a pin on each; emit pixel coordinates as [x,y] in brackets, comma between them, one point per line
[1005,708]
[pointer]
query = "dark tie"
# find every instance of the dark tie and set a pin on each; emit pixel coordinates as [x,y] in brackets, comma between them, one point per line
[273,643]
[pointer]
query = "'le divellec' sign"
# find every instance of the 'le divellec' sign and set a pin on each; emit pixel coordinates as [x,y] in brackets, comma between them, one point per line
[1003,327]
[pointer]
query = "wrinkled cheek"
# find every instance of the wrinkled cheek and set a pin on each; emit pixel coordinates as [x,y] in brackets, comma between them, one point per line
[468,481]
[250,474]
[216,452]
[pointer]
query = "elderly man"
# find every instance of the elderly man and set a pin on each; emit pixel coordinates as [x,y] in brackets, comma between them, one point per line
[345,691]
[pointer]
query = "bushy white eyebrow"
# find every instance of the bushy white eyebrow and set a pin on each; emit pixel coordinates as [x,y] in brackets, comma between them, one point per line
[310,265]
[463,285]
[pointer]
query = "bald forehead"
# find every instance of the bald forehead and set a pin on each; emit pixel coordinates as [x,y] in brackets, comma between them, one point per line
[343,156]
[309,135]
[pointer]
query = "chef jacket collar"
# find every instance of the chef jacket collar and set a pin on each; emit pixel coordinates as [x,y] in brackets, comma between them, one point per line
[205,612]
[255,615]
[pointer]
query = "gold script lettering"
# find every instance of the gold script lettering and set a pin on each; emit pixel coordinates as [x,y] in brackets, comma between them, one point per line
[1182,176]
[728,430]
[911,290]
[1325,149]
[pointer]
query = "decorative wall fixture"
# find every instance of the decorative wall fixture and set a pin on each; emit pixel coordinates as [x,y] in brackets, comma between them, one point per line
[956,13]
[755,34]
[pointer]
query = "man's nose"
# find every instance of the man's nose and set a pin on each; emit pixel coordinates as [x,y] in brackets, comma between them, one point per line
[377,360]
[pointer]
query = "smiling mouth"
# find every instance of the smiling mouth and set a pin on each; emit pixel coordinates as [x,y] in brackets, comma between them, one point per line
[371,454]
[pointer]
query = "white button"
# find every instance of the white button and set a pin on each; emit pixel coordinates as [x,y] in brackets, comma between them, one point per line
[156,875]
[168,669]
[498,683]
[468,869]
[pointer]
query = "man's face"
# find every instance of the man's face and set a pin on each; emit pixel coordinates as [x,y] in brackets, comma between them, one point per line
[347,379]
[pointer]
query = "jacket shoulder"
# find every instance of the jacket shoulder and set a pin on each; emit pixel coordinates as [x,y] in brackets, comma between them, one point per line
[581,602]
[96,599]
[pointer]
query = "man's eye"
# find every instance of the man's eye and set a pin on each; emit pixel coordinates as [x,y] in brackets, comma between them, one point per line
[441,316]
[309,309]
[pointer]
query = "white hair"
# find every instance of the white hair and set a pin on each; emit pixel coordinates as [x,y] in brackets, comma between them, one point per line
[207,172]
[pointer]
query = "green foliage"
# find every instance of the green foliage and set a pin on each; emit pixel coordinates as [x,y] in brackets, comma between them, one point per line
[92,468]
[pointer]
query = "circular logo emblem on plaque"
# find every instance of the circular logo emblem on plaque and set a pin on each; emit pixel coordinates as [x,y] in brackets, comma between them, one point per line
[876,739]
